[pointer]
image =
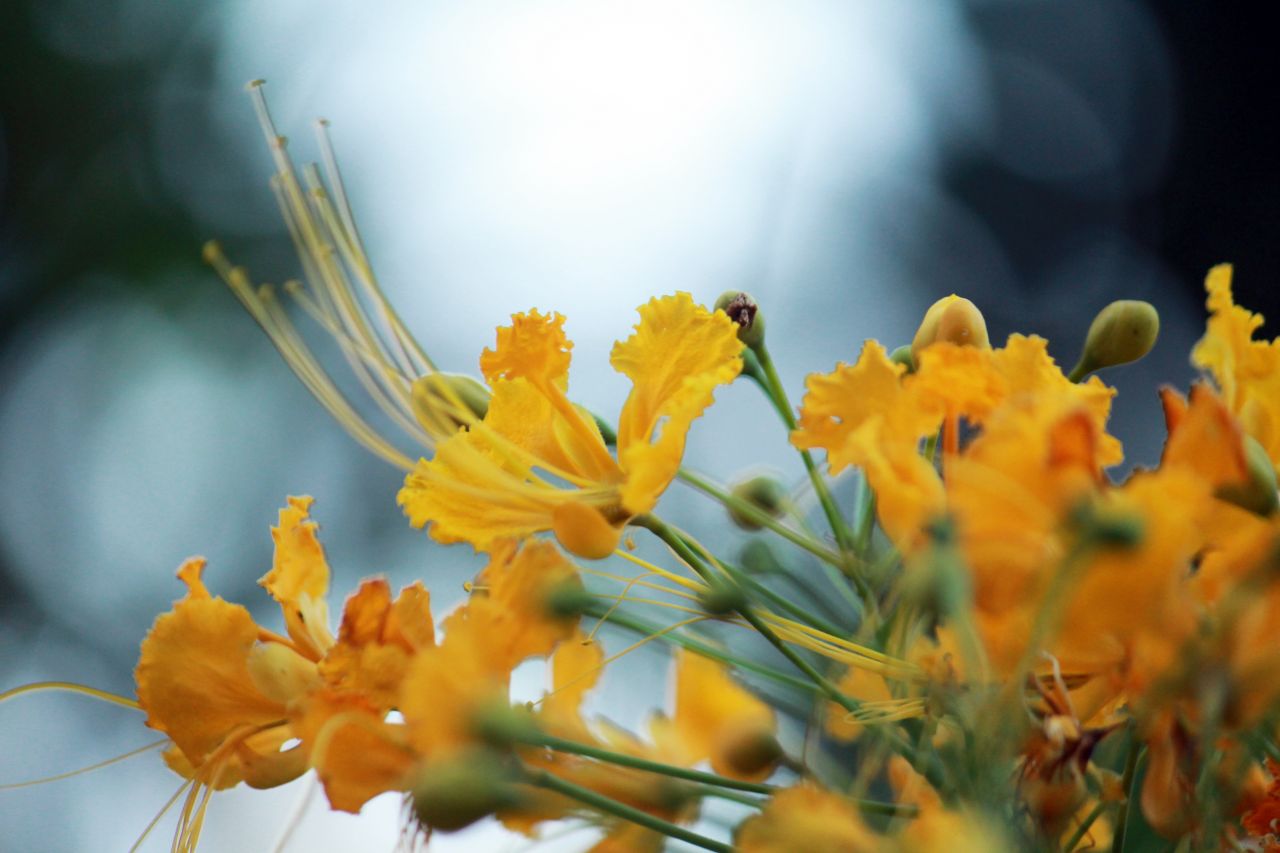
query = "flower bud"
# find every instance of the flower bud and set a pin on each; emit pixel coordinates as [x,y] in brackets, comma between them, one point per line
[722,598]
[762,492]
[457,792]
[758,558]
[584,531]
[1124,331]
[567,600]
[443,403]
[747,754]
[1257,494]
[953,319]
[503,725]
[743,310]
[902,355]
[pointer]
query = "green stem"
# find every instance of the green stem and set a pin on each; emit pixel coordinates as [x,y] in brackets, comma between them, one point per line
[710,784]
[768,380]
[866,519]
[760,517]
[693,644]
[673,539]
[636,763]
[1127,781]
[781,602]
[1083,828]
[721,794]
[608,805]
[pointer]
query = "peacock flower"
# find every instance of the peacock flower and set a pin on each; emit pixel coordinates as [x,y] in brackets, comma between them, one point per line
[536,462]
[220,686]
[1246,371]
[874,415]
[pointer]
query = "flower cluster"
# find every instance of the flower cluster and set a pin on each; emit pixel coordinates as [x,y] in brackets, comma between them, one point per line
[1008,642]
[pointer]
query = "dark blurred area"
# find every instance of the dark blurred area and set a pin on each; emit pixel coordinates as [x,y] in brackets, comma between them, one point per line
[1123,150]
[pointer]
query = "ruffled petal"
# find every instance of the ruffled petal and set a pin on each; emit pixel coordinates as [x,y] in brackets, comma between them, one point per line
[355,753]
[533,347]
[837,404]
[299,578]
[193,677]
[678,355]
[371,656]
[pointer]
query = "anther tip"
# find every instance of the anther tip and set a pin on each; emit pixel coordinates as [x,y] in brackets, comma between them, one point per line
[255,84]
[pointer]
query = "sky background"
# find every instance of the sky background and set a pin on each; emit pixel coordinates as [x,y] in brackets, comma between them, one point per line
[848,163]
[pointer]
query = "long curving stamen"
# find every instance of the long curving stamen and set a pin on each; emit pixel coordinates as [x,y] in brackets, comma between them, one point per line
[70,687]
[155,821]
[58,777]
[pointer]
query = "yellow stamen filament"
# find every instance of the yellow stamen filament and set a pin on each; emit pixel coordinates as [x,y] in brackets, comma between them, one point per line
[843,649]
[890,711]
[696,586]
[296,816]
[58,777]
[638,581]
[70,687]
[160,815]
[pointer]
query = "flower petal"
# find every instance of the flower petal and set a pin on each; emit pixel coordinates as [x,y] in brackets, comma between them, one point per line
[677,356]
[837,404]
[192,675]
[299,578]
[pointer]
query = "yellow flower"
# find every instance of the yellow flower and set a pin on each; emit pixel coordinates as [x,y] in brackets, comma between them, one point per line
[716,719]
[872,416]
[377,639]
[506,621]
[537,462]
[1247,371]
[810,819]
[219,685]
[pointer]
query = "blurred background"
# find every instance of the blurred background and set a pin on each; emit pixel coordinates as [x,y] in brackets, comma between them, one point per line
[848,163]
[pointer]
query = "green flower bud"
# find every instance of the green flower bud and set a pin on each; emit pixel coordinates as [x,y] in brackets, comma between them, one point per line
[1258,493]
[902,355]
[1124,331]
[567,600]
[953,319]
[457,792]
[503,725]
[937,582]
[722,598]
[445,402]
[1107,530]
[744,311]
[759,558]
[762,492]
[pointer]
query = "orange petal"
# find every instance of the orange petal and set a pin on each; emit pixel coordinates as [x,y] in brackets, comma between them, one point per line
[299,578]
[356,755]
[192,675]
[534,347]
[836,405]
[714,716]
[680,352]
